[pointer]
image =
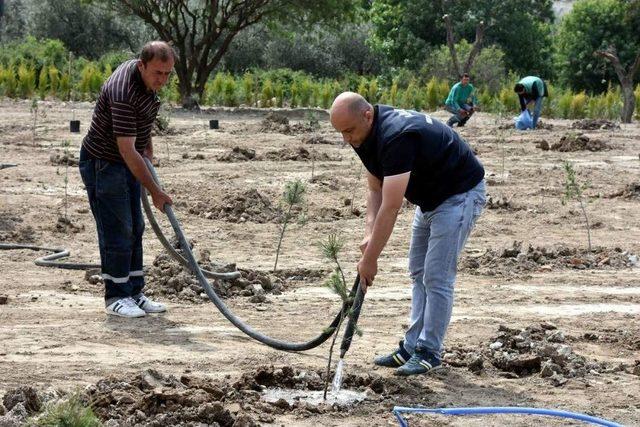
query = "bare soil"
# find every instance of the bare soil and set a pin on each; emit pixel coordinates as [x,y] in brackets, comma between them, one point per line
[538,321]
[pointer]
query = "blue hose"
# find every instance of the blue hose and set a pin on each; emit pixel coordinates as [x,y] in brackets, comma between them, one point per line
[397,410]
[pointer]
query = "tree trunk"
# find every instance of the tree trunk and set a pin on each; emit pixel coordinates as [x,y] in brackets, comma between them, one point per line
[628,102]
[626,80]
[452,47]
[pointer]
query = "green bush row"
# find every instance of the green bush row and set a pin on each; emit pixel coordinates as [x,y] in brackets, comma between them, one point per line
[286,88]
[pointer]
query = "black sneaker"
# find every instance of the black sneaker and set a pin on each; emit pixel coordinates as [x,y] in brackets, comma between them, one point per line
[420,363]
[395,359]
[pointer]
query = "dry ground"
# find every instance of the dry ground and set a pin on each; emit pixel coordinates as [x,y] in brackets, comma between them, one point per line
[54,333]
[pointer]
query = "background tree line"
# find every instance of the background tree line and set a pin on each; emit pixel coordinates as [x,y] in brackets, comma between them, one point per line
[394,41]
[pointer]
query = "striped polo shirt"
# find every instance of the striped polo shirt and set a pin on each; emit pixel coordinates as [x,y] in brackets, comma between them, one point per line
[124,108]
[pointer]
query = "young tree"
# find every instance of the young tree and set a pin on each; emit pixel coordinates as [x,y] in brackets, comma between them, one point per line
[607,26]
[293,195]
[202,32]
[573,190]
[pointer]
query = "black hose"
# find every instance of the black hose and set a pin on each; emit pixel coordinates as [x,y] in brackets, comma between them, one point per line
[172,251]
[48,260]
[226,312]
[353,319]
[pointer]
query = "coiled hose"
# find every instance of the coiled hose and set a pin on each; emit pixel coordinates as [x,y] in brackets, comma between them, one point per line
[397,410]
[221,306]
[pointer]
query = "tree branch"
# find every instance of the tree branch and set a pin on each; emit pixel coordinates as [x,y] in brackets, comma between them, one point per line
[452,45]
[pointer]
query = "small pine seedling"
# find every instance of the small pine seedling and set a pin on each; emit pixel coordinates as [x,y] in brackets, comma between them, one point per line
[293,196]
[573,190]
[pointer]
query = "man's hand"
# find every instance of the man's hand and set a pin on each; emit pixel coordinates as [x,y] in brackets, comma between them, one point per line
[160,198]
[367,269]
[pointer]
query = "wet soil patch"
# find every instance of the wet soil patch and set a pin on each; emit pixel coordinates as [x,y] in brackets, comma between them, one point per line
[153,399]
[518,259]
[594,124]
[572,142]
[539,349]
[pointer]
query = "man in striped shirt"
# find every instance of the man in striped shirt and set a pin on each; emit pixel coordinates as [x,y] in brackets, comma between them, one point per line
[112,168]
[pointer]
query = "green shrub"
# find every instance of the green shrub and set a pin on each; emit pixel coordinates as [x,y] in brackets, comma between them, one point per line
[8,81]
[578,106]
[54,80]
[248,88]
[90,81]
[26,80]
[305,89]
[68,413]
[229,98]
[266,93]
[43,82]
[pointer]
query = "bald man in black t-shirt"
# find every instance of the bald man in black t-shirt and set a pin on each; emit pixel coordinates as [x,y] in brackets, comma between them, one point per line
[414,156]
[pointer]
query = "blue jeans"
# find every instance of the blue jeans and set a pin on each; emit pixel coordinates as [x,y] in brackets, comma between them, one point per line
[114,197]
[537,110]
[457,117]
[437,238]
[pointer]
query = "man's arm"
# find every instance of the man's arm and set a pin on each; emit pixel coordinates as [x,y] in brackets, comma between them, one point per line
[137,166]
[393,189]
[523,105]
[374,200]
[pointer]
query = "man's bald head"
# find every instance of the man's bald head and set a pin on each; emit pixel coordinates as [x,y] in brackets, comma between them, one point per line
[157,49]
[349,103]
[352,116]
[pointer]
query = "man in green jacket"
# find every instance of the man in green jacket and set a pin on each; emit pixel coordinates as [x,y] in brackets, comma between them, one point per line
[461,102]
[531,89]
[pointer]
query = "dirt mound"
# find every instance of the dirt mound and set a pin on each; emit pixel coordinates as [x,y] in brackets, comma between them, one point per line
[275,122]
[299,154]
[501,203]
[238,206]
[25,395]
[539,348]
[153,399]
[631,191]
[58,159]
[594,124]
[318,139]
[238,154]
[572,142]
[65,225]
[515,260]
[170,280]
[327,180]
[11,231]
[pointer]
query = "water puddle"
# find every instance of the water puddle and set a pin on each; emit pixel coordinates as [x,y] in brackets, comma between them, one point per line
[343,397]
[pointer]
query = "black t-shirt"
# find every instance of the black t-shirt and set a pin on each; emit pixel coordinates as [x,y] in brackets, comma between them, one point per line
[440,161]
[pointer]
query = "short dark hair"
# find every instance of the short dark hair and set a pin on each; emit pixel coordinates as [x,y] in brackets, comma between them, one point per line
[464,75]
[519,87]
[157,49]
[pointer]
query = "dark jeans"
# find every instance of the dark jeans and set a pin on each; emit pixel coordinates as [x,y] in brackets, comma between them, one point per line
[457,117]
[114,196]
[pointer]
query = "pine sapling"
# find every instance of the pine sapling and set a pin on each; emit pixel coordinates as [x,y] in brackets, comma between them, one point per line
[293,196]
[573,190]
[336,282]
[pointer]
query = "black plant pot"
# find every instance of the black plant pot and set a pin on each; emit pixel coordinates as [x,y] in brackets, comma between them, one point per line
[213,124]
[74,126]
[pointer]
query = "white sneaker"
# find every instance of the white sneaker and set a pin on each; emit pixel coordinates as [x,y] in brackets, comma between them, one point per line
[149,306]
[125,307]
